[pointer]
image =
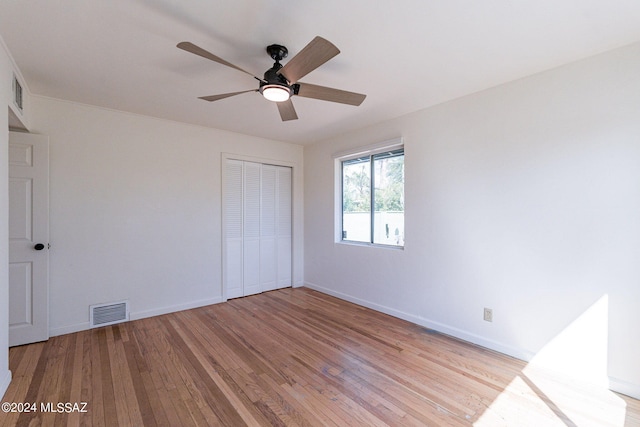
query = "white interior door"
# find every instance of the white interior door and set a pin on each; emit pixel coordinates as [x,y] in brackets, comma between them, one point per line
[232,229]
[28,238]
[268,254]
[284,246]
[251,225]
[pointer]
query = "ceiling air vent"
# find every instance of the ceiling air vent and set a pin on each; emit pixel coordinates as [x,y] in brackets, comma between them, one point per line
[108,314]
[17,93]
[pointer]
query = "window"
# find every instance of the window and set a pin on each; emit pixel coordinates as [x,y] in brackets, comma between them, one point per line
[373,198]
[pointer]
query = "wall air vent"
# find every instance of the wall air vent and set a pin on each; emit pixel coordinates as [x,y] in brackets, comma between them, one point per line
[108,314]
[17,93]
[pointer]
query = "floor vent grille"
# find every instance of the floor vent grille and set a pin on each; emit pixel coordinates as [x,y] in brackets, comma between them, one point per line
[108,314]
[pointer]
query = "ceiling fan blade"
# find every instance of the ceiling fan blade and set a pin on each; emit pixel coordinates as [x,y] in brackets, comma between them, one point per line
[192,48]
[287,112]
[330,94]
[224,95]
[313,55]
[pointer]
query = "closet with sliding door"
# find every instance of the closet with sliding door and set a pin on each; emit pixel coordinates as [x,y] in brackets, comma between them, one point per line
[256,226]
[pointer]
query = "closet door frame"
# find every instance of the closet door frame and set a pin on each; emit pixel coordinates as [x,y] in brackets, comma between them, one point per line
[264,161]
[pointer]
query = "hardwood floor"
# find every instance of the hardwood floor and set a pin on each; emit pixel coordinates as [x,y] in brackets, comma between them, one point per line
[291,357]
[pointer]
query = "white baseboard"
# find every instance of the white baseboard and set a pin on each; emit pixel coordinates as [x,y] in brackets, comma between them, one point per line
[624,387]
[68,329]
[4,383]
[174,308]
[518,353]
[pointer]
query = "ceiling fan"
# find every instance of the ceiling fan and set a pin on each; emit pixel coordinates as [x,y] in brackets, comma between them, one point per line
[280,82]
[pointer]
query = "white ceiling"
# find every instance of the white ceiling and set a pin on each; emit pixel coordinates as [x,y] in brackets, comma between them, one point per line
[406,55]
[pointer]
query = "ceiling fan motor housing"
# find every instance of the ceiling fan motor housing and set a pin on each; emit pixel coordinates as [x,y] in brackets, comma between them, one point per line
[271,77]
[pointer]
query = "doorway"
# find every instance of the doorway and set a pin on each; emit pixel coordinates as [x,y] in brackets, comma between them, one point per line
[28,238]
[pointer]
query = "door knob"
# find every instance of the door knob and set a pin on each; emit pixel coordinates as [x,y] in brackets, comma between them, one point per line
[38,247]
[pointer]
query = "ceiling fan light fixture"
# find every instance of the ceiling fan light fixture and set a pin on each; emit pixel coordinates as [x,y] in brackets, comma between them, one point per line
[276,93]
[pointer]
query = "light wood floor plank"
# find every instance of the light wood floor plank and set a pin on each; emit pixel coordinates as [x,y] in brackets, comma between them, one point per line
[293,357]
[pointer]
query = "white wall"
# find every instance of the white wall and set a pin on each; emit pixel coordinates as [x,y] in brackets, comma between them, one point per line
[524,198]
[135,209]
[5,98]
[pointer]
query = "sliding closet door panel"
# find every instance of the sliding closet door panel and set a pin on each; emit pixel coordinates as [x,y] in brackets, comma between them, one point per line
[284,226]
[251,259]
[232,273]
[234,269]
[268,253]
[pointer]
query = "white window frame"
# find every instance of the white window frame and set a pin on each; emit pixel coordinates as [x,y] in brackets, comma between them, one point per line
[369,150]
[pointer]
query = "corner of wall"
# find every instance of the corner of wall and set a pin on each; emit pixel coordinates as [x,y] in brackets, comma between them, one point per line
[5,95]
[624,387]
[18,118]
[4,384]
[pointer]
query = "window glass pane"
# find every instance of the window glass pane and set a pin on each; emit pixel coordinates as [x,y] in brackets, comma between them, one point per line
[388,170]
[356,200]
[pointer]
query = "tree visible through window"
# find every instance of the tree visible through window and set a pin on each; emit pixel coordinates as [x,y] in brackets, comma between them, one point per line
[373,198]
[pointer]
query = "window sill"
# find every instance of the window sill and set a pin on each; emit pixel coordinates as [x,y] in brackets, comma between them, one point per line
[368,245]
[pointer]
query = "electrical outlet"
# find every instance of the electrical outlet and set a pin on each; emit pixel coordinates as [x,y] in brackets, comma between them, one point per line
[488,314]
